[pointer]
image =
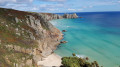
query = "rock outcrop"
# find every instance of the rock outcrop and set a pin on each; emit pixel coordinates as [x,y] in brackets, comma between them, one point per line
[64,31]
[63,42]
[50,16]
[70,15]
[29,35]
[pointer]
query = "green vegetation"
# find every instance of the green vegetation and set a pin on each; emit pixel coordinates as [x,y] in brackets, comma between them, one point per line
[8,56]
[77,62]
[73,54]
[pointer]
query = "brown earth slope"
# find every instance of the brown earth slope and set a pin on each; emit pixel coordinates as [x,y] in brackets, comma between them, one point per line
[26,37]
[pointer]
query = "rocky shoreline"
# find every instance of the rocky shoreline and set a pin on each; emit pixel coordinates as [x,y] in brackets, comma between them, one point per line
[34,35]
[50,17]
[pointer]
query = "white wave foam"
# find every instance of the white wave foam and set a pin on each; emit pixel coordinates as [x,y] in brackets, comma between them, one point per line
[68,26]
[81,56]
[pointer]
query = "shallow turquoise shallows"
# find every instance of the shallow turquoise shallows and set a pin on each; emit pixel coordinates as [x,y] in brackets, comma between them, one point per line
[96,35]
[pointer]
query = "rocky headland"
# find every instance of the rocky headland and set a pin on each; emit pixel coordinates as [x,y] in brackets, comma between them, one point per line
[27,37]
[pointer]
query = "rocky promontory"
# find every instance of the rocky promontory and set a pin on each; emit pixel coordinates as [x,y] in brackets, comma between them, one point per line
[49,16]
[27,37]
[70,15]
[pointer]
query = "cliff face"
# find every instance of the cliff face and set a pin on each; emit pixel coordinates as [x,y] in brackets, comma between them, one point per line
[70,16]
[25,37]
[50,16]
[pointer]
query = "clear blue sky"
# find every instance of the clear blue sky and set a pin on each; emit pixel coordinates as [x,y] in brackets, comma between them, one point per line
[58,6]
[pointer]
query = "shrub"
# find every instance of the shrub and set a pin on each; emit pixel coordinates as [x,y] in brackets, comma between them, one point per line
[74,54]
[77,62]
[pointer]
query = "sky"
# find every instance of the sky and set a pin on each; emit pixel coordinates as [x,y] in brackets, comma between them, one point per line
[62,6]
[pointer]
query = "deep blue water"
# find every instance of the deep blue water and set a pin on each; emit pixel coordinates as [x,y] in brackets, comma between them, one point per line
[96,35]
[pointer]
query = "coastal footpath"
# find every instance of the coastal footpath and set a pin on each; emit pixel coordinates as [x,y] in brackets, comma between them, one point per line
[27,37]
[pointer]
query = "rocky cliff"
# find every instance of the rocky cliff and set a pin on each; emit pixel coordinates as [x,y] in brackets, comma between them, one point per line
[70,15]
[50,16]
[26,37]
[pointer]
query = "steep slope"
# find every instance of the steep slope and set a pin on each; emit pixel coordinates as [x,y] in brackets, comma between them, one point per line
[26,37]
[26,33]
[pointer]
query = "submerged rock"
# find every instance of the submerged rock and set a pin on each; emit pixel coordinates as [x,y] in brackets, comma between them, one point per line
[64,31]
[80,17]
[63,42]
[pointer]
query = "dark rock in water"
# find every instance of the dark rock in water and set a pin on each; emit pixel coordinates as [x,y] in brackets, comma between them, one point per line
[80,17]
[59,46]
[64,31]
[63,42]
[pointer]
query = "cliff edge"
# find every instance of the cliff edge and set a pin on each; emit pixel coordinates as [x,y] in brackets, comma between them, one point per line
[26,37]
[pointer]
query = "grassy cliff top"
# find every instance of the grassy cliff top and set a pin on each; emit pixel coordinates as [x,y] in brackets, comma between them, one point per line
[15,34]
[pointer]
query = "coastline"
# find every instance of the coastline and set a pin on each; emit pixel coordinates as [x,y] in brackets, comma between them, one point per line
[34,29]
[54,59]
[51,60]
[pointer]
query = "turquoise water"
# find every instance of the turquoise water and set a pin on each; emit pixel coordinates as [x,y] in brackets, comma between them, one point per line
[96,36]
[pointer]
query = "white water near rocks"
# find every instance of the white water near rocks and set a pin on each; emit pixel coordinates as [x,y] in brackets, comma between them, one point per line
[95,36]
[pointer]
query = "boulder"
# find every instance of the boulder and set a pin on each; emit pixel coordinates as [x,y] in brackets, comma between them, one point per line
[63,42]
[64,31]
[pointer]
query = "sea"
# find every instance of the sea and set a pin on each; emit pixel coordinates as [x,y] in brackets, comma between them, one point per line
[96,35]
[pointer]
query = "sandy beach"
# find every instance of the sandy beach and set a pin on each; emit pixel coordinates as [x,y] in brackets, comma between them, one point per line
[51,60]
